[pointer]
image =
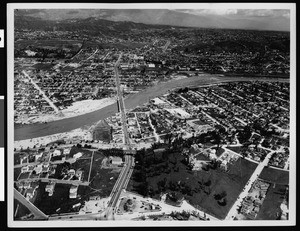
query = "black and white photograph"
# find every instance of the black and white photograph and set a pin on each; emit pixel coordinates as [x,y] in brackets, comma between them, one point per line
[161,114]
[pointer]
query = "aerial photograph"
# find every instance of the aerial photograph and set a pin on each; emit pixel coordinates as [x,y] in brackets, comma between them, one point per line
[151,115]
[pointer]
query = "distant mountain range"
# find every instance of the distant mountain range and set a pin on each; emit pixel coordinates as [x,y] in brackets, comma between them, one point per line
[164,17]
[93,25]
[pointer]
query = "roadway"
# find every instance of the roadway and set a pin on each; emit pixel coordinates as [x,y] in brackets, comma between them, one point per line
[129,161]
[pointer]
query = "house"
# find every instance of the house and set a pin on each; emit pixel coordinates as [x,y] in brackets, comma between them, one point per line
[50,188]
[24,169]
[26,185]
[224,165]
[116,160]
[77,155]
[79,174]
[66,151]
[56,153]
[45,167]
[31,191]
[19,185]
[73,191]
[38,156]
[38,168]
[71,172]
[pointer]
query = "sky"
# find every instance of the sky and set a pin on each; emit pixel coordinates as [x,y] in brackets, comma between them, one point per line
[239,12]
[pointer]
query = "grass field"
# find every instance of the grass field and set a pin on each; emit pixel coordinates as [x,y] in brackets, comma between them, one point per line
[270,208]
[235,149]
[232,183]
[59,199]
[17,172]
[104,181]
[219,152]
[24,175]
[275,176]
[203,184]
[17,159]
[43,66]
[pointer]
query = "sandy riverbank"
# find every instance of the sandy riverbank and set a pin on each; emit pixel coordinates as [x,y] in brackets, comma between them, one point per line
[78,108]
[75,135]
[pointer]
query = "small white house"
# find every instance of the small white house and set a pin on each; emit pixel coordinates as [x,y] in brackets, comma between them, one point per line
[77,155]
[73,191]
[56,153]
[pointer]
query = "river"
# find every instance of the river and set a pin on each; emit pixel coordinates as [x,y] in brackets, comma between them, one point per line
[29,131]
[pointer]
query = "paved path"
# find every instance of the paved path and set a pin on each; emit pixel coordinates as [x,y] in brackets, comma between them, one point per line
[91,166]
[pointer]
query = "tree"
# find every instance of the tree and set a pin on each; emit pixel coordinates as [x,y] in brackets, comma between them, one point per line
[125,207]
[220,195]
[79,145]
[222,202]
[207,183]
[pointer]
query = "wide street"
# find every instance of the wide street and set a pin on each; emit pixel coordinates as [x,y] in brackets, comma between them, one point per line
[125,173]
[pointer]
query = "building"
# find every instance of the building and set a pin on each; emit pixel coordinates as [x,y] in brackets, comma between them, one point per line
[56,153]
[77,155]
[73,191]
[38,169]
[116,160]
[102,132]
[50,188]
[224,165]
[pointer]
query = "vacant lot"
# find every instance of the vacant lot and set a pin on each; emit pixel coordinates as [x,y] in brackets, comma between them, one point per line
[275,175]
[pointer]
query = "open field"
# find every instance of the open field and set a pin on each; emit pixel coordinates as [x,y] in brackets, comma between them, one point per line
[197,187]
[59,200]
[275,176]
[232,183]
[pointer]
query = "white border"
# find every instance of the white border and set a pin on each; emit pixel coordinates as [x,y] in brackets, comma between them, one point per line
[10,102]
